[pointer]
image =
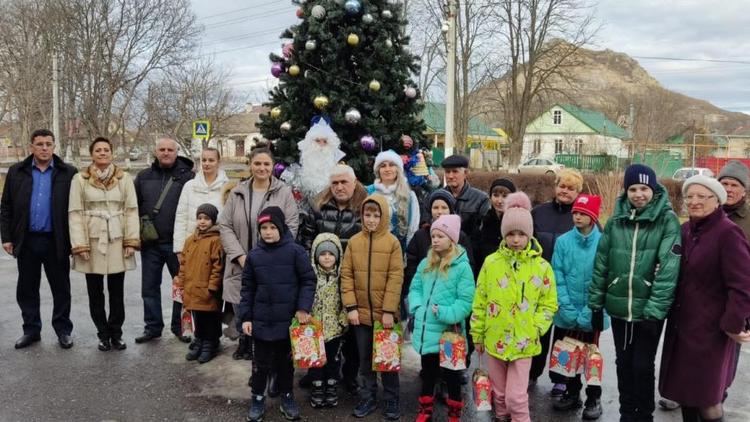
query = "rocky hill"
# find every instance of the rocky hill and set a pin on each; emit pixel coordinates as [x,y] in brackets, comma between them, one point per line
[610,82]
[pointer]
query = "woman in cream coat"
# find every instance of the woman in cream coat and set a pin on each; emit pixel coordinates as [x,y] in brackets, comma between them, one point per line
[206,188]
[104,235]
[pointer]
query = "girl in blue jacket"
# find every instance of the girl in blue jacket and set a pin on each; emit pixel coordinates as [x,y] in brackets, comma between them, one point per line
[573,264]
[440,299]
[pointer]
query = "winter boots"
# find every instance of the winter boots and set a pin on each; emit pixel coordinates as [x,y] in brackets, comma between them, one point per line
[194,350]
[454,410]
[426,404]
[244,348]
[208,350]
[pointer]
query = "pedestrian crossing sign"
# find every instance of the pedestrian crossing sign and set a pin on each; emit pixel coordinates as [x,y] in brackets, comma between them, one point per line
[201,129]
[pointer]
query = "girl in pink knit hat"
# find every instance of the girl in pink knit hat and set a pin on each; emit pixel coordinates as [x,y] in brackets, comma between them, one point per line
[440,298]
[513,307]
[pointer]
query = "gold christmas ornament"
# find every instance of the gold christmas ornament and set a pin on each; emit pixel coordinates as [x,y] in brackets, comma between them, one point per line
[320,102]
[352,40]
[276,112]
[420,168]
[293,70]
[374,85]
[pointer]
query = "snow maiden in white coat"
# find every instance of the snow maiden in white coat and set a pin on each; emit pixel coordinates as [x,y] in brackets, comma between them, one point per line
[206,187]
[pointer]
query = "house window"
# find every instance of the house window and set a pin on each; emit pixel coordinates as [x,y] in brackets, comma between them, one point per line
[578,146]
[537,147]
[557,117]
[559,146]
[239,148]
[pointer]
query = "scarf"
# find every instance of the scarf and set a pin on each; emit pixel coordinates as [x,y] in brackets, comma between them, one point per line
[104,175]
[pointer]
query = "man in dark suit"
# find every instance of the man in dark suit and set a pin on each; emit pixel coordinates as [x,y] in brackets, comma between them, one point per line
[34,229]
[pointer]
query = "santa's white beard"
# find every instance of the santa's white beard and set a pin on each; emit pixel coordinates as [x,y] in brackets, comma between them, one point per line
[317,164]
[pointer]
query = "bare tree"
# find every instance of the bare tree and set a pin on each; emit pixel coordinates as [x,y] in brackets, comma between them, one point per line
[477,57]
[194,91]
[111,47]
[542,38]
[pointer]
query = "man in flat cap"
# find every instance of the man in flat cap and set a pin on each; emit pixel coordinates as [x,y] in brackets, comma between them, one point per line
[471,203]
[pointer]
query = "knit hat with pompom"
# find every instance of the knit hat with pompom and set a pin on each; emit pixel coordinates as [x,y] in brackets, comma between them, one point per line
[517,215]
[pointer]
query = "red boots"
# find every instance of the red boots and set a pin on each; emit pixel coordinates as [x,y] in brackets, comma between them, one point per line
[454,410]
[425,408]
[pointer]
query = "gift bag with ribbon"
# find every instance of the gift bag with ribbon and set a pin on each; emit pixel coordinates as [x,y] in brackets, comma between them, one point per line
[453,349]
[567,357]
[186,323]
[308,345]
[386,348]
[482,388]
[593,368]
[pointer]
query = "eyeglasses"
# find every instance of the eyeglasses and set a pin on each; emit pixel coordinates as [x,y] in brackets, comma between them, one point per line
[698,198]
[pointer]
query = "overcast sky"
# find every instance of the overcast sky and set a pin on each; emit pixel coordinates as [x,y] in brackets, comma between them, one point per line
[241,33]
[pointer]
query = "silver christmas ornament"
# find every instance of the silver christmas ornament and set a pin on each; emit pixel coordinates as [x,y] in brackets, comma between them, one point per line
[386,14]
[352,116]
[367,18]
[311,45]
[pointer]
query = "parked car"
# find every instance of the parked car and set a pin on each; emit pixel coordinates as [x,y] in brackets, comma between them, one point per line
[686,172]
[136,154]
[540,166]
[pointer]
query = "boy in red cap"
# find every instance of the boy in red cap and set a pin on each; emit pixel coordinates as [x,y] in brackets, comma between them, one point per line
[573,264]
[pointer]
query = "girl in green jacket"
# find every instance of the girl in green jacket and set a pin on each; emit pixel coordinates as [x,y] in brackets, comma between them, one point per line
[513,307]
[440,299]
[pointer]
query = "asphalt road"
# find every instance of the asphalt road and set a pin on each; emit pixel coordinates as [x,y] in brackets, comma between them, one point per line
[153,382]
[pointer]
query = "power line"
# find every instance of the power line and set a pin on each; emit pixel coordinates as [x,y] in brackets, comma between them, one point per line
[240,19]
[686,59]
[238,48]
[233,11]
[245,35]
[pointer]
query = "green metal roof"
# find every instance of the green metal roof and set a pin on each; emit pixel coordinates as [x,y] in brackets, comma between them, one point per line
[434,117]
[596,121]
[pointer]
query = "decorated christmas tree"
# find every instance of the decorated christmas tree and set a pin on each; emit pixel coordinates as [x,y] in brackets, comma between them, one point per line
[348,62]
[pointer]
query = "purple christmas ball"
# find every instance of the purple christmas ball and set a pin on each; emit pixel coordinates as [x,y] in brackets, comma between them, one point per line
[277,69]
[367,143]
[278,168]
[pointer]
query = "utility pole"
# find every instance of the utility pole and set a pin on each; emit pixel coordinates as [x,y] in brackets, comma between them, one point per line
[55,97]
[450,95]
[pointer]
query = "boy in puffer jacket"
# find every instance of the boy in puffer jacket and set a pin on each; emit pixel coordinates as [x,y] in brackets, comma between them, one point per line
[327,308]
[635,274]
[440,299]
[513,307]
[372,275]
[573,263]
[278,284]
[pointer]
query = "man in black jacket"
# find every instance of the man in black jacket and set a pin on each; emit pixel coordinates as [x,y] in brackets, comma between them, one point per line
[149,185]
[34,229]
[471,203]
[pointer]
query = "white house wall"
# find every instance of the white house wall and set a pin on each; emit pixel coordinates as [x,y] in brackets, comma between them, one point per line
[592,145]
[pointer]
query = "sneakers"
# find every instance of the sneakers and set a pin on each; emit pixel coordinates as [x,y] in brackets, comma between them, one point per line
[558,390]
[194,350]
[364,408]
[332,393]
[257,409]
[317,395]
[392,411]
[289,407]
[568,402]
[593,409]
